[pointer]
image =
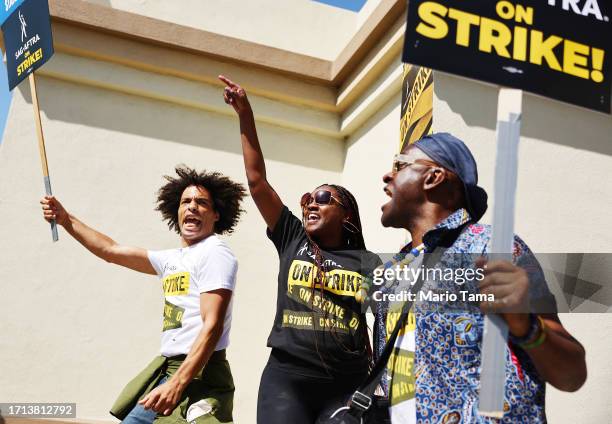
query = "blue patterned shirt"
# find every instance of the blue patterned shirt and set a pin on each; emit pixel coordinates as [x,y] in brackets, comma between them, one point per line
[444,373]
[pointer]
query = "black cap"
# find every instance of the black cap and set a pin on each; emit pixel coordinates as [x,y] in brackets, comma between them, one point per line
[451,153]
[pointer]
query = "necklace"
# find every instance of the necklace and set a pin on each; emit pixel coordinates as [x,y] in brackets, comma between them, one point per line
[399,259]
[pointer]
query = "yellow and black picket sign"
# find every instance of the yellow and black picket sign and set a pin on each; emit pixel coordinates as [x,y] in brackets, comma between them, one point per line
[545,47]
[417,104]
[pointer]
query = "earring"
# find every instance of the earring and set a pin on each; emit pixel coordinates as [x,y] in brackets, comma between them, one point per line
[350,227]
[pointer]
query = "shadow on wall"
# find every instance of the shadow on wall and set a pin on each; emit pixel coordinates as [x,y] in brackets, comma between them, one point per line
[543,119]
[124,113]
[384,111]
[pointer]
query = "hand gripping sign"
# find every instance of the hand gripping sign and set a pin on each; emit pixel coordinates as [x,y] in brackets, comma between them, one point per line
[28,41]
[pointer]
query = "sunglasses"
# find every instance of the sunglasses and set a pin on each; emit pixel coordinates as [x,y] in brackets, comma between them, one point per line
[321,197]
[401,161]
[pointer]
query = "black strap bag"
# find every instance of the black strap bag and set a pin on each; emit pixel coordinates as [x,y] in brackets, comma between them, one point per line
[364,407]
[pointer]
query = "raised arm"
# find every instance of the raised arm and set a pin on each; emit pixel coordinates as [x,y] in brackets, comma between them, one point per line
[265,197]
[97,243]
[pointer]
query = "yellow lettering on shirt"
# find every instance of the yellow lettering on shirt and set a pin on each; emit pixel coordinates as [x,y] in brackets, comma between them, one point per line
[176,284]
[338,281]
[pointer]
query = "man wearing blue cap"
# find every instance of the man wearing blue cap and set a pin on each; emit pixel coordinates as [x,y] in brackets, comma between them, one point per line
[435,368]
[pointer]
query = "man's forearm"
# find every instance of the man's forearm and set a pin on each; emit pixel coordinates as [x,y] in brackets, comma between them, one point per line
[198,355]
[560,360]
[97,243]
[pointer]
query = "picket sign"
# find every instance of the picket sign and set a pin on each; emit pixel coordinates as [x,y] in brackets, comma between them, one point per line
[28,42]
[493,373]
[41,148]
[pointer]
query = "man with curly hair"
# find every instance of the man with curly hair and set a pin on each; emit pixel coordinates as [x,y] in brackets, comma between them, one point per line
[191,379]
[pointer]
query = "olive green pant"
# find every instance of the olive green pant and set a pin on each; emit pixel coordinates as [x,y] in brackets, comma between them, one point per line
[213,383]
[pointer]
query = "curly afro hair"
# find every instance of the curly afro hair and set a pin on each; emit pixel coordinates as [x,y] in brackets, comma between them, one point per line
[226,194]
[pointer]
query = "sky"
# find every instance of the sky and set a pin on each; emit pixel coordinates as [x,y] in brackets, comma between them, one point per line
[5,99]
[354,5]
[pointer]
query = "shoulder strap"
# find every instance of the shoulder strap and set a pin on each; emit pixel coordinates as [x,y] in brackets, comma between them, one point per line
[362,398]
[368,387]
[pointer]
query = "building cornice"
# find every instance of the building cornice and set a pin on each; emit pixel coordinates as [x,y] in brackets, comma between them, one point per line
[151,30]
[134,26]
[128,53]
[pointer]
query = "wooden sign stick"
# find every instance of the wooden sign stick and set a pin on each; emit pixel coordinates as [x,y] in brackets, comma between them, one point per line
[41,148]
[494,341]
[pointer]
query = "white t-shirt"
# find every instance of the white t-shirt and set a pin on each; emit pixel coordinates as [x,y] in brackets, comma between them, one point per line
[185,274]
[401,364]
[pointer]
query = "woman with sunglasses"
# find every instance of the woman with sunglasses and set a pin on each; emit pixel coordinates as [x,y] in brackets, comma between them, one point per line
[320,349]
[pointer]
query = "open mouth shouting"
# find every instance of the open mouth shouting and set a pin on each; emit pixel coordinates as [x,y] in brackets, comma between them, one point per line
[192,223]
[388,193]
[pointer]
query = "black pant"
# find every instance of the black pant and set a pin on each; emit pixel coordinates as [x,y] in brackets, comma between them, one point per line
[286,396]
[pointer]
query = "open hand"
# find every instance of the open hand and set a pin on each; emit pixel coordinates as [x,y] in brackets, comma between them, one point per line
[235,95]
[53,210]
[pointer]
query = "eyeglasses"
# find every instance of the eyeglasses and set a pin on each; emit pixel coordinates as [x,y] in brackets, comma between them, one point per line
[321,197]
[402,161]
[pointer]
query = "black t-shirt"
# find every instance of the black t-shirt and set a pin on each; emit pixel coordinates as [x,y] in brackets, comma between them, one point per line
[324,334]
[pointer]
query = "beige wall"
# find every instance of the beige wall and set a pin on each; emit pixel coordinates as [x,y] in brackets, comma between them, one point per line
[369,154]
[565,158]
